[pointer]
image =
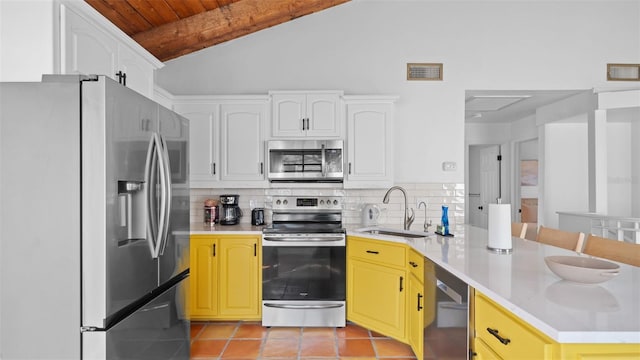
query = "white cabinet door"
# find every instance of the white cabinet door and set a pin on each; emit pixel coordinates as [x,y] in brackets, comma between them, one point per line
[306,114]
[203,142]
[242,147]
[85,49]
[369,145]
[289,115]
[139,74]
[323,115]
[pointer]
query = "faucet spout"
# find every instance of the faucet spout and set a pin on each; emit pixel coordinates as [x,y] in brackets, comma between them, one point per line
[408,218]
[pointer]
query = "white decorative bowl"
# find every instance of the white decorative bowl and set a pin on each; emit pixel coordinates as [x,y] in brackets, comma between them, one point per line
[582,269]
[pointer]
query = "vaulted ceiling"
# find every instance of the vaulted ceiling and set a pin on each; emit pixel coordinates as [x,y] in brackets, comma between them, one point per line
[172,28]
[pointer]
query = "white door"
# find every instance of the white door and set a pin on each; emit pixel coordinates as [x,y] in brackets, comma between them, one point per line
[322,112]
[489,183]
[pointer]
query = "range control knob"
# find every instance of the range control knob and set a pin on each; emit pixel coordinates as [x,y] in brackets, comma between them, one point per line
[278,202]
[285,202]
[335,202]
[321,202]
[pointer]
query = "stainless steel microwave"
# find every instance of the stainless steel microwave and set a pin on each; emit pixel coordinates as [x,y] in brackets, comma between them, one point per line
[305,160]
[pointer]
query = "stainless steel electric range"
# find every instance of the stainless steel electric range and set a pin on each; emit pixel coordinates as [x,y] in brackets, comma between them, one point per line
[304,263]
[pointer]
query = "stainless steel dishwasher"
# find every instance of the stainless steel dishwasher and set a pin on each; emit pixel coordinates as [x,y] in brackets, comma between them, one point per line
[446,334]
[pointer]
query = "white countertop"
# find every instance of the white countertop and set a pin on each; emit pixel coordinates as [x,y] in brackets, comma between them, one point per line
[567,312]
[238,229]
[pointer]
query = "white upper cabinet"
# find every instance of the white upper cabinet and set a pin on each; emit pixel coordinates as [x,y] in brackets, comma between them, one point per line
[204,158]
[88,46]
[242,142]
[369,141]
[226,139]
[298,114]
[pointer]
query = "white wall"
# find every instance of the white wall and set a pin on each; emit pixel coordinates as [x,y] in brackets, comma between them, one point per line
[566,183]
[27,39]
[635,168]
[363,46]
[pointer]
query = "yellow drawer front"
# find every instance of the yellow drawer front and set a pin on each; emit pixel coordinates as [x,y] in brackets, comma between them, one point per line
[377,251]
[416,264]
[483,352]
[519,340]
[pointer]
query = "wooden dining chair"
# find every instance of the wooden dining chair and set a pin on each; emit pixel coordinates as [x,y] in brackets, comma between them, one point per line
[615,250]
[518,229]
[560,238]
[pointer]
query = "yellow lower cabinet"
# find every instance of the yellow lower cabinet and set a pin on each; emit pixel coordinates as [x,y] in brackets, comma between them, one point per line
[225,277]
[415,316]
[376,297]
[508,336]
[239,278]
[203,284]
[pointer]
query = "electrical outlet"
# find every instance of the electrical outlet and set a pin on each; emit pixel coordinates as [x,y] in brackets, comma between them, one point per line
[449,166]
[419,200]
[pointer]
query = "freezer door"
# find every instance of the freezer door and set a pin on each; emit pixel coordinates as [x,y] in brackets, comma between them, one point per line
[117,266]
[174,257]
[159,330]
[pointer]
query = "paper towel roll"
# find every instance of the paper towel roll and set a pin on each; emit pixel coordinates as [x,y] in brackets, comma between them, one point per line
[499,230]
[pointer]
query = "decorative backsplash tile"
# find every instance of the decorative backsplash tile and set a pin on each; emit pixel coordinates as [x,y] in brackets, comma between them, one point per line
[433,194]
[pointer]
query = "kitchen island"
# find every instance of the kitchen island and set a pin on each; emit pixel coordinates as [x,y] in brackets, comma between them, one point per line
[521,283]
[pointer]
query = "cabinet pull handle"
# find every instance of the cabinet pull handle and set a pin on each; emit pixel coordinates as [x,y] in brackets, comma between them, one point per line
[372,252]
[255,249]
[308,124]
[401,280]
[494,332]
[213,168]
[261,168]
[303,129]
[214,249]
[413,264]
[419,298]
[349,168]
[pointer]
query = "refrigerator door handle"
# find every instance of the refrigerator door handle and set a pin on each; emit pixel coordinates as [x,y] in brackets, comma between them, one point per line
[167,195]
[155,223]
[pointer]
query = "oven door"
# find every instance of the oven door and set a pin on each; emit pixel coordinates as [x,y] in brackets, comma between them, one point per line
[306,268]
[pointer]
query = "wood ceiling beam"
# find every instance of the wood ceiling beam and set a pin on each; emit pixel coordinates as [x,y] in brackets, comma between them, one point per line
[224,23]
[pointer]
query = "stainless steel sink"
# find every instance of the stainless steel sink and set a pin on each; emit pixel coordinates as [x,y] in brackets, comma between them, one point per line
[393,232]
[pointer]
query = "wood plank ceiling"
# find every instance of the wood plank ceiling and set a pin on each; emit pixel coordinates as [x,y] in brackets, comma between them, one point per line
[172,28]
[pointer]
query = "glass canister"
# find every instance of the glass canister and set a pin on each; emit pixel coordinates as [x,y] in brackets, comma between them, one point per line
[210,212]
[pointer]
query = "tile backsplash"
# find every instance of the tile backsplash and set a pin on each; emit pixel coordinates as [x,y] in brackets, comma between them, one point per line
[433,194]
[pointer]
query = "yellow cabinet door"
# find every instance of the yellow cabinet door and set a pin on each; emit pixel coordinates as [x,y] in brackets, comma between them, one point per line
[204,274]
[415,315]
[239,277]
[376,297]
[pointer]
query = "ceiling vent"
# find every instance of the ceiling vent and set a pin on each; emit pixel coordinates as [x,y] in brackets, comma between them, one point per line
[623,72]
[424,71]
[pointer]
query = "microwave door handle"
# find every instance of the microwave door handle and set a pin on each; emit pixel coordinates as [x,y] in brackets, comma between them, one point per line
[324,162]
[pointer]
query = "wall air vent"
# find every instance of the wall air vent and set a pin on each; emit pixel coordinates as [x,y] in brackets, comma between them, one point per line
[424,71]
[623,72]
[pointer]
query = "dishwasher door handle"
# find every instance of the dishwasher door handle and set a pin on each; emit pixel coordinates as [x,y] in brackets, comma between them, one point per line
[449,291]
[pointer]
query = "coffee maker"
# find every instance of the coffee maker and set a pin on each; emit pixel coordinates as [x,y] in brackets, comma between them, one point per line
[230,212]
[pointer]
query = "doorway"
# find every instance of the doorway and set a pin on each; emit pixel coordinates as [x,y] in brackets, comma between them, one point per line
[484,182]
[526,185]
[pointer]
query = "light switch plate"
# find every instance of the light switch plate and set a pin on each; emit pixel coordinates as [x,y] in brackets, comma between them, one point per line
[449,166]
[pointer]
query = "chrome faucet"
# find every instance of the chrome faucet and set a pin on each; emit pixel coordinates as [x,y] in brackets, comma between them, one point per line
[426,225]
[408,219]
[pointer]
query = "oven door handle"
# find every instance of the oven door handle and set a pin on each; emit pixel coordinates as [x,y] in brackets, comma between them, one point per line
[292,306]
[303,239]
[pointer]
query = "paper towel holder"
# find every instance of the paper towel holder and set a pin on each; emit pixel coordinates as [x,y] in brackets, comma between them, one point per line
[498,250]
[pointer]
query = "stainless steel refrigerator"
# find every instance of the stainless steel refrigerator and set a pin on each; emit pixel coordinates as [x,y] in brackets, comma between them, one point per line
[94,251]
